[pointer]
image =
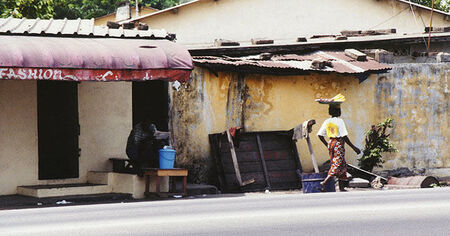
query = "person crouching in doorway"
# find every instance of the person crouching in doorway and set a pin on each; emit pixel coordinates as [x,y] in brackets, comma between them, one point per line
[336,131]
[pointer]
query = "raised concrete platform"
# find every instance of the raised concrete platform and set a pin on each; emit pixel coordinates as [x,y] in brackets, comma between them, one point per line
[55,190]
[126,183]
[104,182]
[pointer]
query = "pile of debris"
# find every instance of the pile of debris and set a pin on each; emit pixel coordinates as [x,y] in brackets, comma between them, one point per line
[400,178]
[401,172]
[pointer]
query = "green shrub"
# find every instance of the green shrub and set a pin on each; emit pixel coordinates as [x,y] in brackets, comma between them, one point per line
[377,142]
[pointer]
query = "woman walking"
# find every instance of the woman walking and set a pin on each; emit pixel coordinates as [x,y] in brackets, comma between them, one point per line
[336,131]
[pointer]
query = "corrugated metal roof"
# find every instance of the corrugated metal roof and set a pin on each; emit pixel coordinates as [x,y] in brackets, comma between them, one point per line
[340,63]
[71,28]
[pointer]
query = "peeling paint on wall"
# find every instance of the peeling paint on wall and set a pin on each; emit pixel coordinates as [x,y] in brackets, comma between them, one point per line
[237,95]
[416,97]
[190,119]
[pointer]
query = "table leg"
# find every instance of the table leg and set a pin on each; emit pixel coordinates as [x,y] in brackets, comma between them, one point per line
[158,180]
[147,185]
[174,184]
[184,184]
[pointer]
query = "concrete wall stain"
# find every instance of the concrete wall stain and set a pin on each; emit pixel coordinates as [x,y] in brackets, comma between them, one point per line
[198,109]
[236,99]
[415,95]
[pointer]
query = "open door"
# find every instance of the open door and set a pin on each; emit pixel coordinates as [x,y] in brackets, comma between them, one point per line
[151,102]
[58,129]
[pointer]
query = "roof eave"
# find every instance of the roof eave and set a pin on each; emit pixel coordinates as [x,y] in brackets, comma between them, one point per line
[309,46]
[160,11]
[425,7]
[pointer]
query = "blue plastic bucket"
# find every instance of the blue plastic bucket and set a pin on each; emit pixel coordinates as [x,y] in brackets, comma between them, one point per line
[311,182]
[166,158]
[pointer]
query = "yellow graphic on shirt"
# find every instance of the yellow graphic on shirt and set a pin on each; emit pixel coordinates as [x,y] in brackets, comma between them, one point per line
[332,130]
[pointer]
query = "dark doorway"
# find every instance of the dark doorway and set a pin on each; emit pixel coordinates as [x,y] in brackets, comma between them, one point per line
[151,102]
[58,129]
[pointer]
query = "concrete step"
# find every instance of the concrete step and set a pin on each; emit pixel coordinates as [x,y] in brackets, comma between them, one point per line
[56,190]
[99,177]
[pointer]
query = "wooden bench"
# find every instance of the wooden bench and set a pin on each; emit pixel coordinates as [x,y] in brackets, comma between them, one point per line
[175,173]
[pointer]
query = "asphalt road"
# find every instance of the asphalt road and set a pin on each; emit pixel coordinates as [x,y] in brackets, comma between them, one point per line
[395,212]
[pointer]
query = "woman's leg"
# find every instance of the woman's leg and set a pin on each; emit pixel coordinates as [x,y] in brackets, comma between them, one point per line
[325,181]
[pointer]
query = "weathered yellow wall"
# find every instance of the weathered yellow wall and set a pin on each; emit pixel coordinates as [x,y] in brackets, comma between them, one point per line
[282,102]
[105,120]
[209,104]
[416,97]
[105,113]
[18,135]
[202,22]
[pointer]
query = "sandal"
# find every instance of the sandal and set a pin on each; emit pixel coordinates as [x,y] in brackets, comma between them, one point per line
[322,188]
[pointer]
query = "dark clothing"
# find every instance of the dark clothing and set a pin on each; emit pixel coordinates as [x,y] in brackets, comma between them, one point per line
[140,146]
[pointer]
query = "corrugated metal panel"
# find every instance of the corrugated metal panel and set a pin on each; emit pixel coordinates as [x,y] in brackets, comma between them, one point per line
[72,28]
[339,61]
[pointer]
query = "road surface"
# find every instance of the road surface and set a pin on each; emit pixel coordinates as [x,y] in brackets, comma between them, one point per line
[394,212]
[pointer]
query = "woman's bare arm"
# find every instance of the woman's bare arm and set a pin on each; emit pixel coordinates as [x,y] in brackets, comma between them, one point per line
[347,140]
[323,140]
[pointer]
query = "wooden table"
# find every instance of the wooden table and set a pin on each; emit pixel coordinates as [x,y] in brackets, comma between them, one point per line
[155,172]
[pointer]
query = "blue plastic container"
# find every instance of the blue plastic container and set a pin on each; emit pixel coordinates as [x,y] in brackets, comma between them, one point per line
[311,182]
[166,158]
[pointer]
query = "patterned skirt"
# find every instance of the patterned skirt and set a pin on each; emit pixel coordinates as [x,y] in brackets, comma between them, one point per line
[338,166]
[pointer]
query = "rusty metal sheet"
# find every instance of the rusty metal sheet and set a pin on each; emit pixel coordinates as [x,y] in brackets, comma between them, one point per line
[72,28]
[93,54]
[340,62]
[369,65]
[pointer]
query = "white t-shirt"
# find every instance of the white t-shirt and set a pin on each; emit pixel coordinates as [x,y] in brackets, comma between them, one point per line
[333,127]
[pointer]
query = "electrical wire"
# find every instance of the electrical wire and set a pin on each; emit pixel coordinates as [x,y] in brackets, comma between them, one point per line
[390,18]
[429,29]
[414,16]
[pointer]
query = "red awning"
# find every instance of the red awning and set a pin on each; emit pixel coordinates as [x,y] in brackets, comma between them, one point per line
[92,59]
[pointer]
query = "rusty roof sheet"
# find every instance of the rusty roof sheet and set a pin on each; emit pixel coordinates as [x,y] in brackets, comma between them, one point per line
[340,63]
[71,28]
